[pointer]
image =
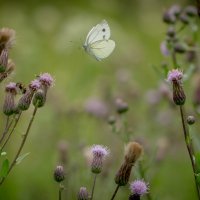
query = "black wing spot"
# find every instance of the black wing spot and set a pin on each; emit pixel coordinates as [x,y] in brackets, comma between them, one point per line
[104,36]
[103,29]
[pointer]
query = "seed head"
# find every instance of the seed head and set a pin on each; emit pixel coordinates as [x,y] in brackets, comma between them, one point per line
[59,174]
[7,38]
[132,152]
[139,187]
[83,194]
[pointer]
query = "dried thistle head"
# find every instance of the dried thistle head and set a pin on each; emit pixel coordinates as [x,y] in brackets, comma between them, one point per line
[7,38]
[133,150]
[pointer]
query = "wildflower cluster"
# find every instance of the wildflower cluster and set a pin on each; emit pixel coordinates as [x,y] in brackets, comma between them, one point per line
[18,99]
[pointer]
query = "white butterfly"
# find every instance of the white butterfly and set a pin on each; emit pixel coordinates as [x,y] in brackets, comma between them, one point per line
[97,42]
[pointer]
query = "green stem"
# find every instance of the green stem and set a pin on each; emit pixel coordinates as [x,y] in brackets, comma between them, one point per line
[142,175]
[115,192]
[189,145]
[94,183]
[17,120]
[21,146]
[7,126]
[174,60]
[60,194]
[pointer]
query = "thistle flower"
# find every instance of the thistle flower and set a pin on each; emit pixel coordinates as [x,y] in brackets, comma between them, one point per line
[46,80]
[25,100]
[83,194]
[9,103]
[175,76]
[59,174]
[99,153]
[138,188]
[133,151]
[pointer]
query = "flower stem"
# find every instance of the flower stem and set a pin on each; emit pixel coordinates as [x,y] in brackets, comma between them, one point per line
[7,126]
[11,132]
[174,60]
[189,145]
[115,192]
[95,177]
[60,193]
[21,145]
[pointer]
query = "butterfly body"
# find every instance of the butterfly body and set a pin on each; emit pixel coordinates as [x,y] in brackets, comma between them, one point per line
[97,43]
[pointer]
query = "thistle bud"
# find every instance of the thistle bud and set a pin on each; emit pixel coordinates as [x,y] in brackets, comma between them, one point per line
[132,152]
[83,194]
[179,48]
[25,101]
[191,11]
[171,32]
[111,120]
[184,18]
[59,174]
[121,106]
[39,98]
[190,120]
[169,18]
[175,76]
[99,153]
[9,102]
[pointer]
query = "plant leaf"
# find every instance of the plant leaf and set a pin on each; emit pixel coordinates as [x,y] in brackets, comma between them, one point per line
[20,158]
[4,168]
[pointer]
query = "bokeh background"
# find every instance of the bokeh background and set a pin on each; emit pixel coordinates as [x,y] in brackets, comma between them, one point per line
[49,38]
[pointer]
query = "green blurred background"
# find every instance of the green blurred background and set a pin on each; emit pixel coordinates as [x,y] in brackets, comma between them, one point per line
[49,38]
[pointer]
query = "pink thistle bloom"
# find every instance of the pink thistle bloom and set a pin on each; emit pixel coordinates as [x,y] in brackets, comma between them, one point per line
[11,87]
[175,75]
[35,84]
[46,79]
[100,151]
[139,187]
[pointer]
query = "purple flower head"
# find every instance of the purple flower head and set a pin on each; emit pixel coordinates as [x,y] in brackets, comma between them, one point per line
[139,187]
[164,49]
[46,79]
[175,75]
[100,151]
[11,87]
[35,85]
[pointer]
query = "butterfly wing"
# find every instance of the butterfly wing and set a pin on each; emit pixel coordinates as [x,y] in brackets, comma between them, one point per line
[99,32]
[101,49]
